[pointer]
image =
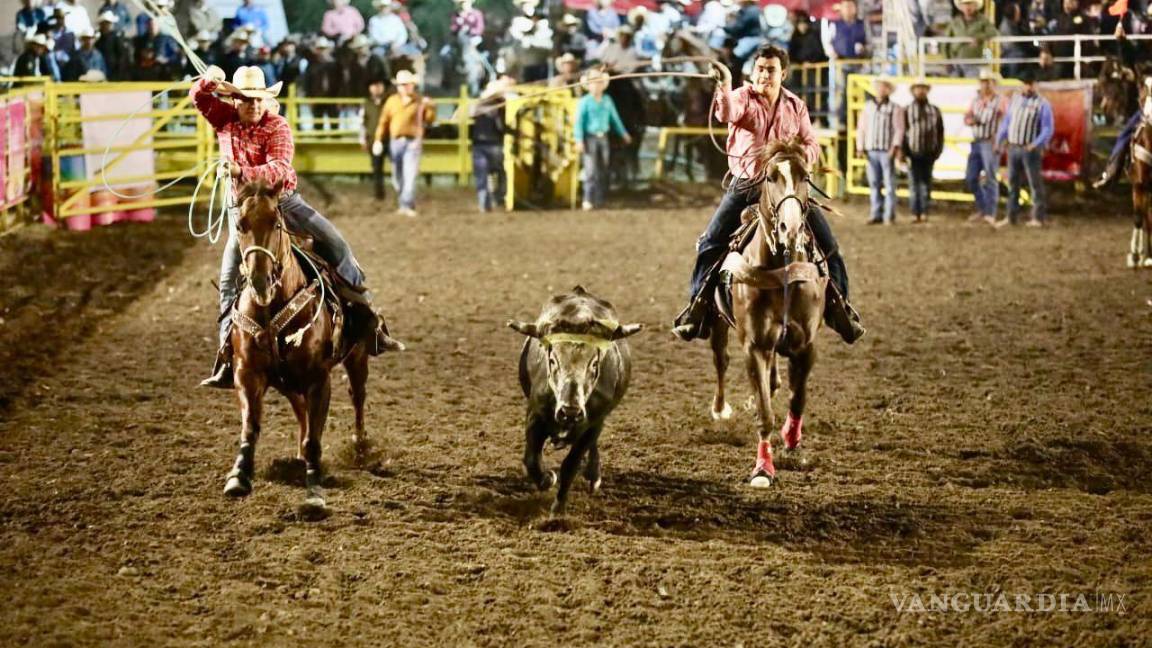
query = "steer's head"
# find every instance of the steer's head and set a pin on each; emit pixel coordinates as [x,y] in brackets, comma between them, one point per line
[574,356]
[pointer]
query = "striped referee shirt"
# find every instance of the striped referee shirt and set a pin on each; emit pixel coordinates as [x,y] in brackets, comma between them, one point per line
[924,135]
[1028,122]
[985,114]
[881,126]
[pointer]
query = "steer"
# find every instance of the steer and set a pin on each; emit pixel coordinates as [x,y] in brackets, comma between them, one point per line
[574,369]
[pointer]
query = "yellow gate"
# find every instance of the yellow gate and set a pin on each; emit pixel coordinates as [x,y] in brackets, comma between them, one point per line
[539,152]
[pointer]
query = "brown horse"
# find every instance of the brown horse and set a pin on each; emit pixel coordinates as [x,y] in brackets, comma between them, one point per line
[1140,172]
[777,301]
[284,336]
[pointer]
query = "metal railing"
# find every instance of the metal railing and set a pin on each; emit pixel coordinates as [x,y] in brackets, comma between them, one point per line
[925,59]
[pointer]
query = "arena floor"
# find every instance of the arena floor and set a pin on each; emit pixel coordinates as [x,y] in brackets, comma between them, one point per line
[990,435]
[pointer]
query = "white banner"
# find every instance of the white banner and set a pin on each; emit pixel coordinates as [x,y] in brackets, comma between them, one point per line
[132,132]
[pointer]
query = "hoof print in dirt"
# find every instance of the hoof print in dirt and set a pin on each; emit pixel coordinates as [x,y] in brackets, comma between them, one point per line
[574,369]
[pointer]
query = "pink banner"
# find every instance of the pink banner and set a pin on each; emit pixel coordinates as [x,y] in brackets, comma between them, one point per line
[6,193]
[17,149]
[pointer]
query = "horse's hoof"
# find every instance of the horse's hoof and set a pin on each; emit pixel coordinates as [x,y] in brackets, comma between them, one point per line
[724,414]
[548,481]
[237,485]
[761,480]
[313,509]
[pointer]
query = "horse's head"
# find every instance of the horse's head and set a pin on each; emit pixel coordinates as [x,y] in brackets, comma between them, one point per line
[263,242]
[784,192]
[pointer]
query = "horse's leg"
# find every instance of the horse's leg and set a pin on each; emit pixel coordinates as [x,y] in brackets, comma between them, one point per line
[799,367]
[759,362]
[356,366]
[300,409]
[318,398]
[536,434]
[570,466]
[1140,227]
[721,410]
[238,483]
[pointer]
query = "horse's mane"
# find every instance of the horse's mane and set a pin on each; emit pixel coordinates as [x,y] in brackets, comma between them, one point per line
[791,150]
[258,189]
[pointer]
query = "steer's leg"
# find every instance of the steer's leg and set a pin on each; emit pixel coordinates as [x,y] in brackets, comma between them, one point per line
[592,467]
[536,434]
[569,468]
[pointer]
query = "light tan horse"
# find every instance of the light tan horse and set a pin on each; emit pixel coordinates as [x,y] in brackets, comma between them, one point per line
[777,302]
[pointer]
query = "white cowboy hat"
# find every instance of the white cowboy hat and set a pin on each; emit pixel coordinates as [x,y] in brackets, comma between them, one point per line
[379,4]
[238,35]
[322,43]
[885,79]
[569,19]
[108,17]
[205,35]
[920,81]
[38,39]
[93,76]
[359,41]
[775,15]
[567,57]
[960,3]
[248,80]
[162,4]
[404,77]
[988,74]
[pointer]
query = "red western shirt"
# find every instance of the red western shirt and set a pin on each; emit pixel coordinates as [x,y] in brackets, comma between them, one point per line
[751,125]
[263,150]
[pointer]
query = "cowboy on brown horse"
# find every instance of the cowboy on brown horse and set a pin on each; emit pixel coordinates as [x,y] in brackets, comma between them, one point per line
[762,111]
[257,145]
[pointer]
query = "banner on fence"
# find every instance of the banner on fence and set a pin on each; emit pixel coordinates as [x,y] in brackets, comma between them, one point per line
[6,192]
[16,148]
[1067,154]
[136,133]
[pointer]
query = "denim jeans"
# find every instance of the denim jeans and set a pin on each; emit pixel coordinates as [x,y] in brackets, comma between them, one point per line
[920,183]
[1125,137]
[712,246]
[405,154]
[1025,165]
[300,217]
[881,167]
[983,158]
[595,161]
[488,160]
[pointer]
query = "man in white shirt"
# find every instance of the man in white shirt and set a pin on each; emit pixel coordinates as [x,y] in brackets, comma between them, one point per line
[386,29]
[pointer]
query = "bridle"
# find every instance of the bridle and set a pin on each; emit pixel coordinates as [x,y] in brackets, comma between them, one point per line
[277,265]
[770,233]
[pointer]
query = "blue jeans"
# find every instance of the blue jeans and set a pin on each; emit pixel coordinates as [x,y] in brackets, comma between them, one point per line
[488,160]
[1024,164]
[881,167]
[1125,137]
[595,161]
[983,158]
[712,246]
[300,217]
[920,183]
[405,154]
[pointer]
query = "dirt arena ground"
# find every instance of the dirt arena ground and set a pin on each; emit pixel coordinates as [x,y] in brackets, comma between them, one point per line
[990,435]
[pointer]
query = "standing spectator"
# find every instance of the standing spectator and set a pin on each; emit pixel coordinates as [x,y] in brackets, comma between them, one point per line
[144,21]
[487,133]
[76,18]
[972,25]
[923,144]
[250,14]
[1073,21]
[323,79]
[205,50]
[879,134]
[1025,132]
[363,67]
[567,73]
[617,54]
[35,61]
[263,61]
[201,17]
[29,17]
[602,21]
[236,53]
[984,117]
[342,22]
[595,116]
[712,20]
[148,67]
[570,40]
[1047,70]
[403,120]
[373,106]
[63,42]
[113,47]
[468,21]
[287,61]
[745,30]
[533,33]
[167,50]
[387,30]
[805,45]
[847,36]
[777,29]
[84,59]
[119,10]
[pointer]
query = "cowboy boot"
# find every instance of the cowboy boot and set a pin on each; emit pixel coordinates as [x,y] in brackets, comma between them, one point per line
[1111,172]
[222,377]
[693,322]
[366,323]
[842,318]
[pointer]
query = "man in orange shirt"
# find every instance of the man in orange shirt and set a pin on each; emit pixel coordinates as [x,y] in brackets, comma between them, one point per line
[402,121]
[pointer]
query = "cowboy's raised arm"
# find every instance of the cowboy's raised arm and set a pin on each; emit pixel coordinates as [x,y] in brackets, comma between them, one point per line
[279,153]
[217,112]
[730,105]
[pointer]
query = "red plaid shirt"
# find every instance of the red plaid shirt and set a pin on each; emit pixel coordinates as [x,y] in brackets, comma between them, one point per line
[263,150]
